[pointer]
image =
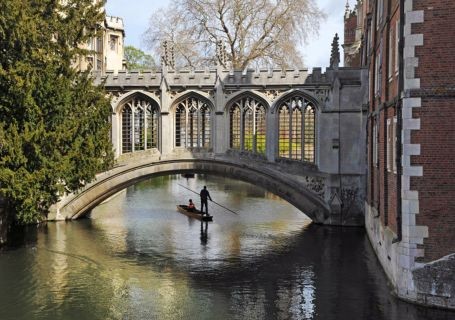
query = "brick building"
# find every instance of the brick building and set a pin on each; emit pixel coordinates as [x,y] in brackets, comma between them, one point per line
[408,46]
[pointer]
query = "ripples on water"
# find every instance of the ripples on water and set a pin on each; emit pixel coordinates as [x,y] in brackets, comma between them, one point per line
[138,258]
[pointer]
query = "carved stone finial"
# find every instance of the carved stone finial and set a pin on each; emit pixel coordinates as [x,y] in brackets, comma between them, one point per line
[221,56]
[335,54]
[347,11]
[167,55]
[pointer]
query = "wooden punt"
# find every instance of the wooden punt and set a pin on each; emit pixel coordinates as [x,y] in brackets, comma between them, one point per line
[196,214]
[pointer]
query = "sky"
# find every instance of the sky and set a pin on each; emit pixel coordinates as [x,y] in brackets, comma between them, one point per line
[316,52]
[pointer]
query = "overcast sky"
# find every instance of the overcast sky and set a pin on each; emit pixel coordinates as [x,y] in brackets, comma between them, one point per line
[316,52]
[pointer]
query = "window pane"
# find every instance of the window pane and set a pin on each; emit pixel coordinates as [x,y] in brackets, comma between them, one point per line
[152,127]
[296,136]
[234,115]
[309,134]
[248,130]
[139,128]
[180,126]
[127,133]
[260,129]
[205,127]
[284,140]
[192,128]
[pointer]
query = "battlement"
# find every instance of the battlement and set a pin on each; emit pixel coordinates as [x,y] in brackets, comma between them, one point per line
[115,23]
[229,78]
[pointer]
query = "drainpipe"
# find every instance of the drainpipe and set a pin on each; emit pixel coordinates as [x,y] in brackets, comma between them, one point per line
[400,125]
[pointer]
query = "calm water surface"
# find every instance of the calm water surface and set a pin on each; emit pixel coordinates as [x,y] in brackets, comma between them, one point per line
[138,258]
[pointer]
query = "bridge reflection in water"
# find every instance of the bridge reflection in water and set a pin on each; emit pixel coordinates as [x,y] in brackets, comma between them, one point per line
[137,258]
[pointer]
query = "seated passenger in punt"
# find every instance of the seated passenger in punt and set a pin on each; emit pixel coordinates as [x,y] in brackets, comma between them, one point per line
[191,206]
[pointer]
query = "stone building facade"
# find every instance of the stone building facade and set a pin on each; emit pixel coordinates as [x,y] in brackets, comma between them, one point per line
[107,49]
[410,206]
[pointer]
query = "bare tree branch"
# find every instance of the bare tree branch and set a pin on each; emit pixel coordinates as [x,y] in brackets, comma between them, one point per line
[257,32]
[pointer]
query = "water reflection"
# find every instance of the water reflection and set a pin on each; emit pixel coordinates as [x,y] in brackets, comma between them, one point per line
[138,258]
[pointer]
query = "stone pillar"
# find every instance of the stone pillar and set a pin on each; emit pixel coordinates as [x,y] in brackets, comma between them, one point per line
[167,133]
[115,134]
[220,131]
[167,123]
[272,136]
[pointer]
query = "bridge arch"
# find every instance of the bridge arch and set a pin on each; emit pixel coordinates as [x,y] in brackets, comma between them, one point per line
[272,179]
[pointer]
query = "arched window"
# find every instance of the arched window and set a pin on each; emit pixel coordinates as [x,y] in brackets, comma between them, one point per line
[192,124]
[247,127]
[297,137]
[139,125]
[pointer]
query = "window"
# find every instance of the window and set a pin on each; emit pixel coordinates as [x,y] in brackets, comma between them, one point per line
[375,144]
[127,133]
[309,134]
[180,126]
[113,43]
[139,125]
[296,130]
[247,127]
[235,118]
[390,57]
[378,71]
[394,149]
[192,124]
[397,45]
[152,127]
[379,12]
[391,145]
[99,45]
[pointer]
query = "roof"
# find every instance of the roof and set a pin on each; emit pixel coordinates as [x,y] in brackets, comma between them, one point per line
[115,23]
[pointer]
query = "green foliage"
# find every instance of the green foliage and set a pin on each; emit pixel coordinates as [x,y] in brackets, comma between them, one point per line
[137,59]
[54,128]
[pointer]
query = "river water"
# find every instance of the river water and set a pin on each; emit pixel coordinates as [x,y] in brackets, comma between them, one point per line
[136,257]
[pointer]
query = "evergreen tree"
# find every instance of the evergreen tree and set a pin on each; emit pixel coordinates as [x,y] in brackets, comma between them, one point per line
[54,123]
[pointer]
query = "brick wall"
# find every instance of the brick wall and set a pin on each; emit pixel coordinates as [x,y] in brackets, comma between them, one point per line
[436,136]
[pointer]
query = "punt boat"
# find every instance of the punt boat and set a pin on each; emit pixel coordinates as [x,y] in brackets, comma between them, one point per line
[196,214]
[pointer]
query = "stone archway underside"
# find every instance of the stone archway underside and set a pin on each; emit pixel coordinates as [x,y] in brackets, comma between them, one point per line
[107,184]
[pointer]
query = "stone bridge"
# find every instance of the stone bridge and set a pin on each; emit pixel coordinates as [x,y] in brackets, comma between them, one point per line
[299,135]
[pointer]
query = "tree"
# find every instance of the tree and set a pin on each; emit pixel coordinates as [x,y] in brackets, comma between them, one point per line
[137,59]
[54,123]
[256,32]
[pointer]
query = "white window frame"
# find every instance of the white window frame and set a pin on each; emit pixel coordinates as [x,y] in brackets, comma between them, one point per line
[375,144]
[390,57]
[389,145]
[397,45]
[379,12]
[394,144]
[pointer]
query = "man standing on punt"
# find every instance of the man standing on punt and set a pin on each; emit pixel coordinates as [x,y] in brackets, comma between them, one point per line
[204,195]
